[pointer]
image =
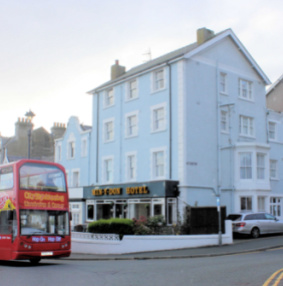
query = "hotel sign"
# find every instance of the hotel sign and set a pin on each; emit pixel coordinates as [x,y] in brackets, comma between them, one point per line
[142,190]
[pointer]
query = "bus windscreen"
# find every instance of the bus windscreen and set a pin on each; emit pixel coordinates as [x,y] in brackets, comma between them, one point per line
[42,177]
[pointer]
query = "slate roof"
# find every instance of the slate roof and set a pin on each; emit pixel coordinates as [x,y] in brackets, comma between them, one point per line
[85,127]
[275,84]
[180,53]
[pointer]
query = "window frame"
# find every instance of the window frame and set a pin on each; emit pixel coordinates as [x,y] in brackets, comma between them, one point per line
[84,147]
[130,95]
[246,202]
[275,205]
[129,127]
[158,83]
[71,149]
[247,167]
[109,97]
[73,172]
[273,170]
[274,131]
[246,123]
[223,88]
[260,166]
[156,166]
[58,152]
[225,121]
[248,89]
[131,170]
[108,135]
[106,170]
[154,119]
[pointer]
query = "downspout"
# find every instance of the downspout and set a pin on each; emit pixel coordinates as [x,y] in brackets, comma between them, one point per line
[89,156]
[97,137]
[170,121]
[218,190]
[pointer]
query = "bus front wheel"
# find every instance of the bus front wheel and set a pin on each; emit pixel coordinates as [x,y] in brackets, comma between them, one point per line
[34,261]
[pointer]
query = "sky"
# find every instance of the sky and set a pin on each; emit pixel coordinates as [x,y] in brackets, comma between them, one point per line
[53,52]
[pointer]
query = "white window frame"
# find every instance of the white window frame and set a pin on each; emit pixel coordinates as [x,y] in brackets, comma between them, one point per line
[154,109]
[223,83]
[245,202]
[224,115]
[276,206]
[158,80]
[246,165]
[156,166]
[246,126]
[246,89]
[131,167]
[77,183]
[84,147]
[106,168]
[261,166]
[71,149]
[261,203]
[58,152]
[272,130]
[131,130]
[108,135]
[109,97]
[273,169]
[132,92]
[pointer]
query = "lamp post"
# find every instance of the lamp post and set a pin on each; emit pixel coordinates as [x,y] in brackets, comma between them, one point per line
[29,116]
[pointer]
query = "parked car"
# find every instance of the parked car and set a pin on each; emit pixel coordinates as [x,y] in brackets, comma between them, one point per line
[255,224]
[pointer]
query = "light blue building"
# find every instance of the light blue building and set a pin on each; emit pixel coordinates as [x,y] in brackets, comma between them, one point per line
[187,128]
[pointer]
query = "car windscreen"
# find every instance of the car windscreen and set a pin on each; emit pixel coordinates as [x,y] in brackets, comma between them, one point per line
[234,217]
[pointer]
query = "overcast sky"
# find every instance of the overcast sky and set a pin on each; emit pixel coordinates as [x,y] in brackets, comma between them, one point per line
[53,51]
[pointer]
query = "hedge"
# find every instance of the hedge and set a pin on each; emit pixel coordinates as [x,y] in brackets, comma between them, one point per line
[121,226]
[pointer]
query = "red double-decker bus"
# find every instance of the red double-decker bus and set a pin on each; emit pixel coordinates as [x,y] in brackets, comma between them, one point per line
[34,211]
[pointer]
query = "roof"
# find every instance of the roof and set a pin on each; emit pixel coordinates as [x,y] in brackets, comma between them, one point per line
[187,52]
[85,127]
[274,85]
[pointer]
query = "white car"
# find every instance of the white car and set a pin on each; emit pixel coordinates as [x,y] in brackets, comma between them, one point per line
[255,224]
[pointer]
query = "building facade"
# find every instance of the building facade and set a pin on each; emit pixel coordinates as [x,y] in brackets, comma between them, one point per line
[29,142]
[187,128]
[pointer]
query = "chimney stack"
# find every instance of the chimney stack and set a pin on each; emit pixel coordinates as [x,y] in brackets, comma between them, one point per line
[117,70]
[204,35]
[58,130]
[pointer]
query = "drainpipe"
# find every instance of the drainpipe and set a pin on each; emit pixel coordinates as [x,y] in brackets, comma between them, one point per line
[170,121]
[218,191]
[97,137]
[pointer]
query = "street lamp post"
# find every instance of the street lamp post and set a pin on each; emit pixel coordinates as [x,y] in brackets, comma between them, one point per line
[29,116]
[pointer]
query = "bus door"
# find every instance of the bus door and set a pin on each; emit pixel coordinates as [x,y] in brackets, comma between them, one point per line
[6,228]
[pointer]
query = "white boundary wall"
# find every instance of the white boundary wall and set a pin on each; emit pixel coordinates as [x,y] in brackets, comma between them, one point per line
[146,243]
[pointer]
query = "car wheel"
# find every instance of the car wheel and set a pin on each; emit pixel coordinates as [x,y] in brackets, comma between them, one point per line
[255,232]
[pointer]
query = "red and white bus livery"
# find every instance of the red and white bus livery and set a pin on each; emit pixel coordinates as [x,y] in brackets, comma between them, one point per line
[34,211]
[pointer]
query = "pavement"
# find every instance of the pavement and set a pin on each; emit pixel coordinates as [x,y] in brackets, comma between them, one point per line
[239,246]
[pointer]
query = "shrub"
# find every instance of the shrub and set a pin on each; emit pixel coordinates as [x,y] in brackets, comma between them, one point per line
[152,225]
[113,225]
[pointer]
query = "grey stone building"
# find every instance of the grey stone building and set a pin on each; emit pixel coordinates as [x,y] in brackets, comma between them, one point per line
[29,142]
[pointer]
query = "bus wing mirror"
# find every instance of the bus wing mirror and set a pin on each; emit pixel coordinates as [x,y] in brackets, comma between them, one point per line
[71,216]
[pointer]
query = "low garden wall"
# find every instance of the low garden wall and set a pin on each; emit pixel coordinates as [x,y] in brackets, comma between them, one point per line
[110,244]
